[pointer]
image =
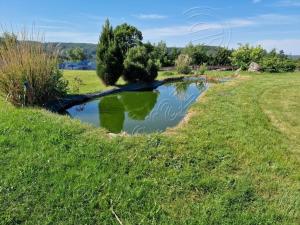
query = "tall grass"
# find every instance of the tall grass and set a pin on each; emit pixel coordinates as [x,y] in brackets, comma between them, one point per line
[29,73]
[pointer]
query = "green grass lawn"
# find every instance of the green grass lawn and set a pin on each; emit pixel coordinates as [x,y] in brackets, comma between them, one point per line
[235,162]
[91,83]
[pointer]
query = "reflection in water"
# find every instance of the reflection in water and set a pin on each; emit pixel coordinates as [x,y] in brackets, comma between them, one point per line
[112,109]
[141,112]
[111,114]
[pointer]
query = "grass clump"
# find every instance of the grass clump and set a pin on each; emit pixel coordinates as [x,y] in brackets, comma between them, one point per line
[29,73]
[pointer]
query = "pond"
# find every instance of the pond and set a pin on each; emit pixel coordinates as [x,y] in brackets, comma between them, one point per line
[141,111]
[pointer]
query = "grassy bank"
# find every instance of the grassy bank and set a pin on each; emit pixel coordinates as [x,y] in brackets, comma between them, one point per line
[91,83]
[235,162]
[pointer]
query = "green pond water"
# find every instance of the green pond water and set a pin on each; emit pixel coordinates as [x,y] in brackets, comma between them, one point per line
[142,111]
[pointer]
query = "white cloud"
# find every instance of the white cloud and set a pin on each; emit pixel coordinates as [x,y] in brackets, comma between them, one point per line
[290,46]
[150,16]
[183,30]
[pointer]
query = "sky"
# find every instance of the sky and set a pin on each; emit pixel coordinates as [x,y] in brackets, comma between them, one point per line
[272,24]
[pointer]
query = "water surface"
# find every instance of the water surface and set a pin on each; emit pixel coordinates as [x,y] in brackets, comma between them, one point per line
[143,111]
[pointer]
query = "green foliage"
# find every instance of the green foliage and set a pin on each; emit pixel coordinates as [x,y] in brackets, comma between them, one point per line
[222,57]
[126,37]
[139,66]
[245,54]
[276,63]
[202,69]
[29,73]
[160,53]
[76,54]
[228,165]
[109,56]
[183,63]
[197,53]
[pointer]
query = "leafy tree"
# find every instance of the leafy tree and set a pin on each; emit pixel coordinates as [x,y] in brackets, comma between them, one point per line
[222,57]
[245,54]
[197,53]
[127,37]
[139,66]
[183,63]
[76,54]
[109,56]
[161,53]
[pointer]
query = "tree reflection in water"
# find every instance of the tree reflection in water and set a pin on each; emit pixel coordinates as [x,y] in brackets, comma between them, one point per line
[112,109]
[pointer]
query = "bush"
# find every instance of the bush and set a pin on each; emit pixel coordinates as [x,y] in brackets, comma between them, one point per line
[183,63]
[29,73]
[139,66]
[276,64]
[245,54]
[202,69]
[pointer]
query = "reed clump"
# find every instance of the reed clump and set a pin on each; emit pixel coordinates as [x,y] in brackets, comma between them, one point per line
[29,73]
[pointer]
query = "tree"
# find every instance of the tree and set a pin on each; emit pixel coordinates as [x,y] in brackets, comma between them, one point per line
[222,57]
[197,53]
[127,37]
[139,65]
[109,56]
[76,54]
[245,54]
[183,63]
[160,53]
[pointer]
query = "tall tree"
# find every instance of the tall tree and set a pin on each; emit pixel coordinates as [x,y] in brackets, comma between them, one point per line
[109,56]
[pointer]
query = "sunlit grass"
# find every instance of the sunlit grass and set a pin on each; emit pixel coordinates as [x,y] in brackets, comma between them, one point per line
[232,163]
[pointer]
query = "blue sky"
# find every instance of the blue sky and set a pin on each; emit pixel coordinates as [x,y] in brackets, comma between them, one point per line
[216,22]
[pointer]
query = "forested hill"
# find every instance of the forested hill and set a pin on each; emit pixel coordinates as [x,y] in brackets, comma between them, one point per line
[90,49]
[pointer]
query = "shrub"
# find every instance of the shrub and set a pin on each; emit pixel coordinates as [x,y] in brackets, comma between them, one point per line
[245,54]
[275,64]
[183,63]
[139,66]
[29,73]
[202,69]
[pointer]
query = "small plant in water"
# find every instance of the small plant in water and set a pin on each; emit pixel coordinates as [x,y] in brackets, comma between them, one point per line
[29,73]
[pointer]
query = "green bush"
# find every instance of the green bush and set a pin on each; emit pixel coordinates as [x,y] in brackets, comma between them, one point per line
[29,73]
[139,66]
[202,69]
[275,64]
[245,54]
[183,63]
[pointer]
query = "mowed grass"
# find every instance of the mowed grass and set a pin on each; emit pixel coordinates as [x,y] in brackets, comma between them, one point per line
[91,83]
[235,162]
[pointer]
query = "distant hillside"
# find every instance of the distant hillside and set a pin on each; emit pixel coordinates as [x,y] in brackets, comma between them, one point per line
[90,49]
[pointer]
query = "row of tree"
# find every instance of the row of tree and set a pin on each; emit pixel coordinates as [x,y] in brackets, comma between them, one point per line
[121,52]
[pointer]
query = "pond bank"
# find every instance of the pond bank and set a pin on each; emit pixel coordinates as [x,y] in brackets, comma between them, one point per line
[62,104]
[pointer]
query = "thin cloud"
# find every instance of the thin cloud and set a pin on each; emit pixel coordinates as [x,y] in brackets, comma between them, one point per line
[256,1]
[290,46]
[288,3]
[151,16]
